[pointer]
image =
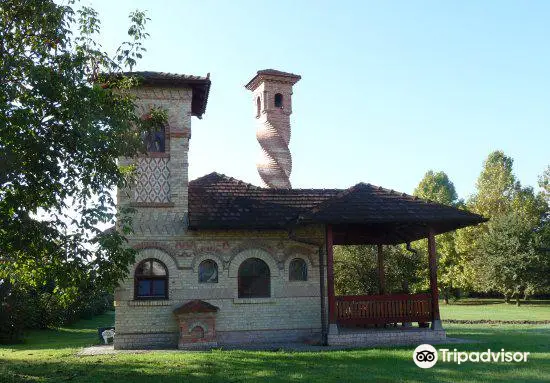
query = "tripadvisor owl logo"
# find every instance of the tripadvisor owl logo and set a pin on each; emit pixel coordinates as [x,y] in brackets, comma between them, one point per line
[425,356]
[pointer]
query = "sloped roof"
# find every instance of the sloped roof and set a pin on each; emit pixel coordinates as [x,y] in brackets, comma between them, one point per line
[200,86]
[220,202]
[195,306]
[272,74]
[366,203]
[217,201]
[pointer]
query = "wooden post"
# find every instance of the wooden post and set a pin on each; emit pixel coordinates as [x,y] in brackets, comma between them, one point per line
[332,319]
[381,274]
[436,320]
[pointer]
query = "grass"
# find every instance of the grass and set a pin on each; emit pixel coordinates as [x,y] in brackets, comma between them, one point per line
[50,356]
[493,309]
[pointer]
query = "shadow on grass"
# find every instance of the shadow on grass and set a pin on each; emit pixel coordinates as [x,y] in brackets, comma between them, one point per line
[375,365]
[48,357]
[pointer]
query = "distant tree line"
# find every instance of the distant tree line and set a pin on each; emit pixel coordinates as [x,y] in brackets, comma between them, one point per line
[507,256]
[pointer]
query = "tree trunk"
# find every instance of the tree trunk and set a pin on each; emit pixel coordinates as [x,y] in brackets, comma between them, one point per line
[405,286]
[517,300]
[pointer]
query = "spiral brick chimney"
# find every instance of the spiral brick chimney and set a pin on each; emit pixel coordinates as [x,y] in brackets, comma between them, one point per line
[272,95]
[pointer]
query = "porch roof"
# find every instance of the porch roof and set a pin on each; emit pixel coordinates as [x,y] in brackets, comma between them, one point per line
[361,214]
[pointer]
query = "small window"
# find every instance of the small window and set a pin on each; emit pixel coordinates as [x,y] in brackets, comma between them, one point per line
[154,140]
[278,100]
[297,270]
[151,280]
[254,279]
[208,272]
[258,107]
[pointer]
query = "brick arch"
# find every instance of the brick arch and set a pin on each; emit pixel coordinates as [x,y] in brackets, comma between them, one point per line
[253,253]
[307,253]
[162,256]
[203,326]
[197,259]
[155,245]
[300,256]
[266,246]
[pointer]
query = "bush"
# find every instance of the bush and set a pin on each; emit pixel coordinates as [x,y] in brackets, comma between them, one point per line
[24,308]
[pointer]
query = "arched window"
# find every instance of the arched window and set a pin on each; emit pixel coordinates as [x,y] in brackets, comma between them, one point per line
[278,100]
[208,272]
[258,107]
[151,280]
[297,270]
[254,279]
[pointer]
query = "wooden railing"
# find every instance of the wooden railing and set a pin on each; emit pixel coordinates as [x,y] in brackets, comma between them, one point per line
[382,309]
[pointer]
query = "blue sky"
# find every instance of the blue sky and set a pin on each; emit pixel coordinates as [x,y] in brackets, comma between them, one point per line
[389,89]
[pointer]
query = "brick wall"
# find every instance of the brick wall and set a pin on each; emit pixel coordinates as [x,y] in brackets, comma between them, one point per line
[291,313]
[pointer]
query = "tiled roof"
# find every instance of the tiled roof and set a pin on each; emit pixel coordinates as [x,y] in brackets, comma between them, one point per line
[366,203]
[195,306]
[200,86]
[220,202]
[286,76]
[276,72]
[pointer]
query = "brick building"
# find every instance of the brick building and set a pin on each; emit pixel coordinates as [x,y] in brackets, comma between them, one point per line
[221,261]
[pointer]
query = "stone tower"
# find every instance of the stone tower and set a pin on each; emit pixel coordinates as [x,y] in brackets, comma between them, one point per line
[160,192]
[272,96]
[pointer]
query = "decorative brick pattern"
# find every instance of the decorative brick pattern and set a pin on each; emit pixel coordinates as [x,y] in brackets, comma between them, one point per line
[272,92]
[197,328]
[152,180]
[292,313]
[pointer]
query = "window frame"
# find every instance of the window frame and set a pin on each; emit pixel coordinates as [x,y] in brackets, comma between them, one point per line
[278,101]
[258,107]
[215,266]
[305,274]
[265,292]
[142,277]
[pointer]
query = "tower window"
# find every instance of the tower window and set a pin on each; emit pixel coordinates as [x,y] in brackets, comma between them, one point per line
[258,107]
[278,100]
[154,140]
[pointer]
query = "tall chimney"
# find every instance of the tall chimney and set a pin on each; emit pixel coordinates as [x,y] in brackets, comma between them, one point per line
[272,96]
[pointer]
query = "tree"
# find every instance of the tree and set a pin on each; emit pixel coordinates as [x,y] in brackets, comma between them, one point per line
[544,184]
[509,258]
[496,186]
[63,126]
[356,269]
[438,187]
[499,196]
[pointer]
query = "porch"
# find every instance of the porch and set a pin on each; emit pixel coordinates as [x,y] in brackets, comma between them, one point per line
[370,215]
[383,318]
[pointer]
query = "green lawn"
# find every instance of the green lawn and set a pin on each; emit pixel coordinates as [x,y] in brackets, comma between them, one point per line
[494,309]
[49,356]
